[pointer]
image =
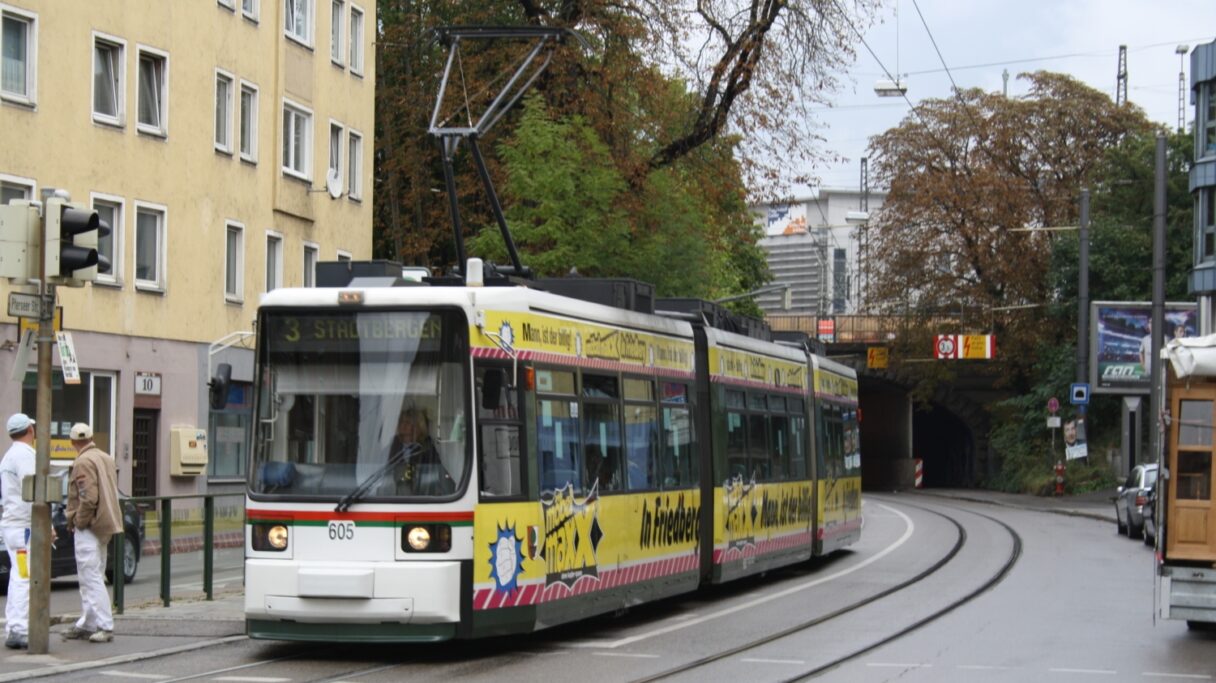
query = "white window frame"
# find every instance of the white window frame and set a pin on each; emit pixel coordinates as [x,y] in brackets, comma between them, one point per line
[163,129]
[120,88]
[239,295]
[294,33]
[335,164]
[252,154]
[276,282]
[354,165]
[344,256]
[157,285]
[250,12]
[114,277]
[30,96]
[356,41]
[306,162]
[337,47]
[28,183]
[227,144]
[310,279]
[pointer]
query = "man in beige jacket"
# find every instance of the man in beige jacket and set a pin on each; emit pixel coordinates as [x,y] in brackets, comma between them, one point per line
[94,515]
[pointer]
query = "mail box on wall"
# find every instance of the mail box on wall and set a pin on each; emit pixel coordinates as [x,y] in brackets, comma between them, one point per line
[187,451]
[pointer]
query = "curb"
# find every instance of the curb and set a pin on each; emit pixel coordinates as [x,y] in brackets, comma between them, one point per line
[120,659]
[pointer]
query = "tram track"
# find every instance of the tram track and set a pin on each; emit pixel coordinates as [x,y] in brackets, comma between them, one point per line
[945,560]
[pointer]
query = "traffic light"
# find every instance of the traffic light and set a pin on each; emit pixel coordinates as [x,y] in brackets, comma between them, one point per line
[20,240]
[72,232]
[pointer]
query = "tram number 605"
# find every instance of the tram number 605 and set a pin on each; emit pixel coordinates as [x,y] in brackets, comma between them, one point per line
[341,531]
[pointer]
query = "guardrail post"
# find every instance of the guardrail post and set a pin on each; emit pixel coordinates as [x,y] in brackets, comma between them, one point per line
[208,544]
[118,545]
[166,543]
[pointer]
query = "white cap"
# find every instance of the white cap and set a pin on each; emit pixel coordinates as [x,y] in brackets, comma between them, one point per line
[80,432]
[19,422]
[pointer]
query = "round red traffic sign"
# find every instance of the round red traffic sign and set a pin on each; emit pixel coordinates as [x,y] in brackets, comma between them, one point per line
[1053,405]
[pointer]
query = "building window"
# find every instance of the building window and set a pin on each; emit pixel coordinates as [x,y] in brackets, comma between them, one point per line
[227,4]
[250,9]
[1207,228]
[356,40]
[344,256]
[92,400]
[336,53]
[153,92]
[234,261]
[13,188]
[274,261]
[354,164]
[149,247]
[298,20]
[223,111]
[335,150]
[297,140]
[310,264]
[229,429]
[109,80]
[18,57]
[249,122]
[110,210]
[1209,126]
[840,280]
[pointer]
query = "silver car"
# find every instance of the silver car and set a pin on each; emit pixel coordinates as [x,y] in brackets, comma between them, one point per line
[1132,500]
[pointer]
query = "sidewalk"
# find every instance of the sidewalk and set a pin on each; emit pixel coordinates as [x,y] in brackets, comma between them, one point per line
[152,630]
[142,632]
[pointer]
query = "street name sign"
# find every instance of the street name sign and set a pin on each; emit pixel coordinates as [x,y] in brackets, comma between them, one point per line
[21,305]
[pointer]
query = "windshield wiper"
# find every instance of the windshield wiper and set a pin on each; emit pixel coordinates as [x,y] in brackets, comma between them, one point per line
[366,485]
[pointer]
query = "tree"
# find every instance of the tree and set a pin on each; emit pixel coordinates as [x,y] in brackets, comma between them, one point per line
[966,175]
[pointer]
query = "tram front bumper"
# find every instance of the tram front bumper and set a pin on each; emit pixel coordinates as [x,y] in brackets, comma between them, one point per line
[353,592]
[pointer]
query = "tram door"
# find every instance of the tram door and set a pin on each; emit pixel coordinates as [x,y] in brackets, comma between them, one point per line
[1191,534]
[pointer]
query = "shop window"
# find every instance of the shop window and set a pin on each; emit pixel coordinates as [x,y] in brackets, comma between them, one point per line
[91,400]
[230,430]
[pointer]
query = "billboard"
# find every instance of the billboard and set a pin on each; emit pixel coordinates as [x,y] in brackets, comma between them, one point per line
[785,219]
[1119,361]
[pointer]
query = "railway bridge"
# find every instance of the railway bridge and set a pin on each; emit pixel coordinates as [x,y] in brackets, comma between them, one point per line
[947,431]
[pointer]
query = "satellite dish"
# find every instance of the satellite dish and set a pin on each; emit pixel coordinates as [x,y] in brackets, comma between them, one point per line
[333,183]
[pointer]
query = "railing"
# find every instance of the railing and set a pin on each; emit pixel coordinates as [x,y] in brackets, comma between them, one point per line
[850,329]
[194,530]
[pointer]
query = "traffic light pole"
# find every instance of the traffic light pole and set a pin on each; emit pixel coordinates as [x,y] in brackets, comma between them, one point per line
[40,523]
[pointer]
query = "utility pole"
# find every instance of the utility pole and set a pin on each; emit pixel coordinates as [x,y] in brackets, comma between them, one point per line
[1121,78]
[40,521]
[1181,51]
[1083,290]
[1154,409]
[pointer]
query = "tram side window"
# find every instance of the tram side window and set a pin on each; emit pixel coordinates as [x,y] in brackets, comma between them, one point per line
[601,426]
[736,436]
[498,413]
[761,464]
[641,436]
[557,439]
[798,447]
[679,463]
[779,440]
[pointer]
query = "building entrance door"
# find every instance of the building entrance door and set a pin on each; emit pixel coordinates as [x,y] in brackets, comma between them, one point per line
[143,465]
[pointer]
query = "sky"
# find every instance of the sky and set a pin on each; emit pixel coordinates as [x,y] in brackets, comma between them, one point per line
[1076,37]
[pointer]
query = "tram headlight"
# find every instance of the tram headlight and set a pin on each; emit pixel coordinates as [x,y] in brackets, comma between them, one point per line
[269,537]
[426,538]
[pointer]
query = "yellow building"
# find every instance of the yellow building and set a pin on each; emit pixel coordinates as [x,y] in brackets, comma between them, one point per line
[228,143]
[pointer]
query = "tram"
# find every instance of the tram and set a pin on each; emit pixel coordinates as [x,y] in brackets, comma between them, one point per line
[439,462]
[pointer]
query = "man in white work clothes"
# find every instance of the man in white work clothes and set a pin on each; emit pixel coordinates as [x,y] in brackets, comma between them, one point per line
[93,517]
[17,464]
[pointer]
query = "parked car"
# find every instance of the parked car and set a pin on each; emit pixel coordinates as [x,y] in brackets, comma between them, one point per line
[1150,518]
[1131,500]
[63,553]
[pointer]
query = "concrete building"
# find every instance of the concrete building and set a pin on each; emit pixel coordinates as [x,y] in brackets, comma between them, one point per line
[1203,183]
[816,244]
[229,145]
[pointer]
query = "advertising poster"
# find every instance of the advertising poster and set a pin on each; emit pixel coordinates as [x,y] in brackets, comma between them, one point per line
[1120,339]
[785,219]
[1074,439]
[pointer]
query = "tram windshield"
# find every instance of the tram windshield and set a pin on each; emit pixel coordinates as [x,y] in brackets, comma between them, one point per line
[361,405]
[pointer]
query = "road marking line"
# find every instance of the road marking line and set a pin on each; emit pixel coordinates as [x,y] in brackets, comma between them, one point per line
[613,644]
[1105,672]
[637,655]
[759,660]
[252,679]
[982,667]
[130,674]
[1197,677]
[896,665]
